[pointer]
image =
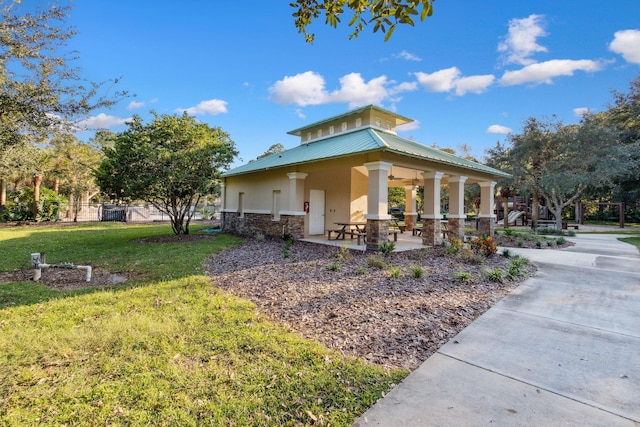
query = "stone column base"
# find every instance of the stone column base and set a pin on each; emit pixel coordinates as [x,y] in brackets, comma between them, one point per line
[456,228]
[377,232]
[431,232]
[485,226]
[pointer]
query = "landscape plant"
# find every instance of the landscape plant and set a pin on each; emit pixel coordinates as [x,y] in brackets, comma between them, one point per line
[170,163]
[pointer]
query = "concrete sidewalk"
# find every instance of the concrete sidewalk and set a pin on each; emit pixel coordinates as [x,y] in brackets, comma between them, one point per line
[562,349]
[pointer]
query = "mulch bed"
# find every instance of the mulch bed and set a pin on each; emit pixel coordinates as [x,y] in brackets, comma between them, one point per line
[338,298]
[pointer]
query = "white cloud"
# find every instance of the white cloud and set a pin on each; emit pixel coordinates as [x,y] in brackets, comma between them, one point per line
[357,92]
[309,88]
[212,107]
[409,126]
[101,121]
[134,105]
[439,81]
[627,44]
[581,111]
[449,79]
[300,113]
[303,89]
[544,72]
[408,56]
[499,129]
[521,41]
[474,84]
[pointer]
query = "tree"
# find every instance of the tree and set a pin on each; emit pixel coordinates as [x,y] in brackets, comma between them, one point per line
[559,162]
[72,169]
[170,163]
[39,90]
[274,149]
[384,14]
[498,158]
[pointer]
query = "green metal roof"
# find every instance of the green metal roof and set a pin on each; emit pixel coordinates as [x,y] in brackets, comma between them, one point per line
[360,141]
[399,119]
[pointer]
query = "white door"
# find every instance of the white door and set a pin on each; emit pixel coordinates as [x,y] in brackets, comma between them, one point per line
[316,212]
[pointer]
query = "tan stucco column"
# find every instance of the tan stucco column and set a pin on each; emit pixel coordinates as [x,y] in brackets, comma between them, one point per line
[377,204]
[223,196]
[456,215]
[292,220]
[431,231]
[487,218]
[296,191]
[411,207]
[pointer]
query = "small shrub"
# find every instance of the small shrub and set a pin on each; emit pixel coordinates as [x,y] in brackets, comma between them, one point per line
[361,270]
[485,245]
[571,233]
[560,241]
[260,237]
[520,243]
[515,266]
[506,253]
[549,242]
[334,266]
[386,248]
[343,254]
[376,261]
[395,272]
[538,244]
[417,271]
[462,276]
[495,275]
[508,232]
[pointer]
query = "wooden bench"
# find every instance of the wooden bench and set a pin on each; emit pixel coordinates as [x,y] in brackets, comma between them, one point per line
[545,223]
[338,232]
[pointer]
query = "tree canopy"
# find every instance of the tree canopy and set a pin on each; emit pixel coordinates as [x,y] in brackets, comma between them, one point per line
[40,91]
[385,15]
[170,163]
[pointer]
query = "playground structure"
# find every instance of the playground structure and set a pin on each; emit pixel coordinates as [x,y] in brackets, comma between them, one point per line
[522,204]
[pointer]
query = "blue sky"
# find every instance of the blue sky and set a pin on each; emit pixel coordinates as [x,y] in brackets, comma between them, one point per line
[468,75]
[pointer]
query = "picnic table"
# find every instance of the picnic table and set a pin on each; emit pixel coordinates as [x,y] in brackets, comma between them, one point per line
[351,228]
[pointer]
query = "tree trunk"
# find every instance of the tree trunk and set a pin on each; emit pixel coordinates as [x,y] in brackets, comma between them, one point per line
[535,209]
[37,180]
[3,193]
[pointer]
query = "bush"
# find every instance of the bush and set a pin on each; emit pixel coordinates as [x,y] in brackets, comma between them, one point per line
[506,253]
[485,245]
[495,275]
[395,272]
[417,271]
[462,276]
[49,205]
[376,261]
[386,248]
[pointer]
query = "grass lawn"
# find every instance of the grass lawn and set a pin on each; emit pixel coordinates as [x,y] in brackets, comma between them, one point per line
[632,240]
[166,348]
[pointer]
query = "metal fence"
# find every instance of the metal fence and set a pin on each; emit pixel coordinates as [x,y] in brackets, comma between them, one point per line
[125,213]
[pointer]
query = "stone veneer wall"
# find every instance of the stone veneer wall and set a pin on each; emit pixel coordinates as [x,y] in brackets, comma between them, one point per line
[251,224]
[456,228]
[377,232]
[485,226]
[431,232]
